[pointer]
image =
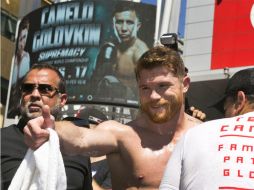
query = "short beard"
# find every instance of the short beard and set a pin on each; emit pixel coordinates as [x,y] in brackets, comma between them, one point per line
[171,106]
[55,111]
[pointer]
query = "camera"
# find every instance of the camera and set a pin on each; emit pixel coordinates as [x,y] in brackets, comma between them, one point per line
[171,40]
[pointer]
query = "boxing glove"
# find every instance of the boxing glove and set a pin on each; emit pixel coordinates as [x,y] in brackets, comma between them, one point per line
[106,58]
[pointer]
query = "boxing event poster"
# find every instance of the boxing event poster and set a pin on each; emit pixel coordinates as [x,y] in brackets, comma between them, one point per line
[80,39]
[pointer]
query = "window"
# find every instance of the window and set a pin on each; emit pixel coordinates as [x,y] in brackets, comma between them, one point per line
[8,25]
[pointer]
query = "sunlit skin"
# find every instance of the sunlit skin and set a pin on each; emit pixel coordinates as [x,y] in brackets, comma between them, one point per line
[161,95]
[31,104]
[140,151]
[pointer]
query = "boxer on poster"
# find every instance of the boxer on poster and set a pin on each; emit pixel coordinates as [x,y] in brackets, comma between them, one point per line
[20,67]
[117,59]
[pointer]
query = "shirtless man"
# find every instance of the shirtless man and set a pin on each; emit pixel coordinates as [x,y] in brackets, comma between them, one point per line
[116,60]
[137,152]
[22,58]
[20,67]
[126,25]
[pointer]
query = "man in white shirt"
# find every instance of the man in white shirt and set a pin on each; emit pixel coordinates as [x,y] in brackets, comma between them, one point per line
[218,154]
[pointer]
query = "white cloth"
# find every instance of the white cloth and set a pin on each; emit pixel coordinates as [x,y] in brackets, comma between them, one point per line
[215,155]
[42,169]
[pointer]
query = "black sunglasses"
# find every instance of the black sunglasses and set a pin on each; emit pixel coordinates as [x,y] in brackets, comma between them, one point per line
[44,89]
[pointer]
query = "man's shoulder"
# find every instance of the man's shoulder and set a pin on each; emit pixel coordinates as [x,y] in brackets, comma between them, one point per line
[25,57]
[140,44]
[119,130]
[12,140]
[9,129]
[26,54]
[210,124]
[217,124]
[115,126]
[77,121]
[192,121]
[249,116]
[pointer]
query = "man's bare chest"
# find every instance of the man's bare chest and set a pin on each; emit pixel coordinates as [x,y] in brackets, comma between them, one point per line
[146,165]
[148,160]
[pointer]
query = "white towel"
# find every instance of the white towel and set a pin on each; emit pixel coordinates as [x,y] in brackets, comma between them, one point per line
[42,169]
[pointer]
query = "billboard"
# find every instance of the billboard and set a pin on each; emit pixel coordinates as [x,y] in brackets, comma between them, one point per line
[94,44]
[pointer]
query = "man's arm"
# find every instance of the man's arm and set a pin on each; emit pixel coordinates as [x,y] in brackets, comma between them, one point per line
[99,141]
[74,139]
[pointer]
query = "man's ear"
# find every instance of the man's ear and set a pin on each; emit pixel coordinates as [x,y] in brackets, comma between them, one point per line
[63,99]
[186,83]
[240,102]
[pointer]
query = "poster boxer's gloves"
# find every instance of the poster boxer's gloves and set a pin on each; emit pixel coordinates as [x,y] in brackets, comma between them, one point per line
[106,58]
[105,63]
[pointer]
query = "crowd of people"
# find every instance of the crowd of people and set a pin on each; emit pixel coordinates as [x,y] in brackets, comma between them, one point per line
[137,153]
[162,148]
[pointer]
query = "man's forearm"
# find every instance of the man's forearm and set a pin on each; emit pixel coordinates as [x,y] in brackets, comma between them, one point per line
[70,137]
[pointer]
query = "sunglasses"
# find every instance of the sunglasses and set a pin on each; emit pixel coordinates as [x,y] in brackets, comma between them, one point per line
[44,89]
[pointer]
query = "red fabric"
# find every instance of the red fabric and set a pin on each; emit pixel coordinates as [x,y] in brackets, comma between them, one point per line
[233,34]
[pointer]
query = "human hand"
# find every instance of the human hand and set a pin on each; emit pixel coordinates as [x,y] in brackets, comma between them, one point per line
[197,113]
[35,132]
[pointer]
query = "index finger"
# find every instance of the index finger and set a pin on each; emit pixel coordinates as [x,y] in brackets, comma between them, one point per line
[48,119]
